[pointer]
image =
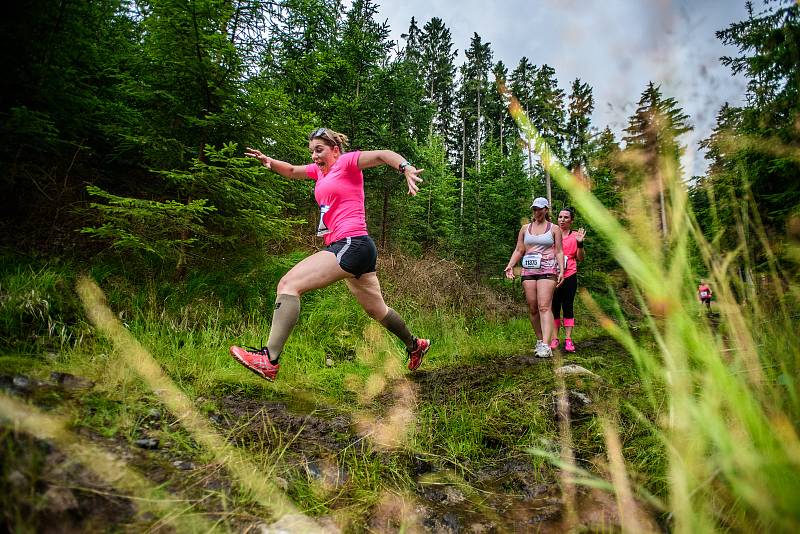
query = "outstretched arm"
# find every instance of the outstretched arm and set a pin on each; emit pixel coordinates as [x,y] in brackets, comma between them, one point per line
[372,158]
[287,170]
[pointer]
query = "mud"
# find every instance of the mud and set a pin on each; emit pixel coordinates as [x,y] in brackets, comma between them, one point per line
[507,494]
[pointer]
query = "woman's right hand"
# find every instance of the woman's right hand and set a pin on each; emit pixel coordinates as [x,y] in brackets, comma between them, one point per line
[509,273]
[265,160]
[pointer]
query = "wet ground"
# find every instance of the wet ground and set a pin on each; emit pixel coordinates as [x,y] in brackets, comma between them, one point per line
[45,492]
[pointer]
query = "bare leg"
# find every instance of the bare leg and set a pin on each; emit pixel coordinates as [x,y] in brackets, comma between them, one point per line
[316,271]
[367,291]
[544,290]
[530,288]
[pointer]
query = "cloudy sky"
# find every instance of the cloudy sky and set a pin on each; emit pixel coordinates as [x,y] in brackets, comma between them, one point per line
[615,45]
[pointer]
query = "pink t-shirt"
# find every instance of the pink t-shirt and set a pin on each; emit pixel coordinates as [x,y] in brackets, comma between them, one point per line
[340,195]
[570,247]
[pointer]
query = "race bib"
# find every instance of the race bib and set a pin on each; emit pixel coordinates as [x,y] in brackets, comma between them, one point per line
[532,261]
[322,228]
[704,294]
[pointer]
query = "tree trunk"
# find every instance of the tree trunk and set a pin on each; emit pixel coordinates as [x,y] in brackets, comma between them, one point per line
[385,217]
[463,162]
[478,136]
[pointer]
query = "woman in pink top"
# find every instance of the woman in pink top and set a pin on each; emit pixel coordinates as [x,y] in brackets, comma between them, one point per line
[564,296]
[704,294]
[539,248]
[350,253]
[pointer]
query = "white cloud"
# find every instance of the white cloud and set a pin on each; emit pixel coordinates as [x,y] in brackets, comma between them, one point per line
[615,45]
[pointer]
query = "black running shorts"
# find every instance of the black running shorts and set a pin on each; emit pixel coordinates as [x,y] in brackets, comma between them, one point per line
[356,255]
[552,277]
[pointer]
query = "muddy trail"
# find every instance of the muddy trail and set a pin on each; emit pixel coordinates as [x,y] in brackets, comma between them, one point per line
[312,447]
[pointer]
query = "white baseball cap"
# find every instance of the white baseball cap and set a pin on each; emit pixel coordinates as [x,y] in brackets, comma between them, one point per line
[540,202]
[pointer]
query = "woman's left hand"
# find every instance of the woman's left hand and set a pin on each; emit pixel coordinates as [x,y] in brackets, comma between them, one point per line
[412,179]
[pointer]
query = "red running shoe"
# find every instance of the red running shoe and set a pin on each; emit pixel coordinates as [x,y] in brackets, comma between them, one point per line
[415,356]
[257,360]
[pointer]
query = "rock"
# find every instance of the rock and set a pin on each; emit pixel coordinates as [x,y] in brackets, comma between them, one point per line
[582,398]
[329,362]
[313,470]
[573,369]
[59,500]
[281,483]
[71,382]
[154,414]
[146,443]
[17,480]
[22,383]
[183,465]
[452,495]
[451,522]
[579,403]
[216,418]
[289,524]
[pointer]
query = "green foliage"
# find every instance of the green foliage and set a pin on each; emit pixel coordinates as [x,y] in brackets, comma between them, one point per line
[752,153]
[495,200]
[429,219]
[39,313]
[229,203]
[247,202]
[149,226]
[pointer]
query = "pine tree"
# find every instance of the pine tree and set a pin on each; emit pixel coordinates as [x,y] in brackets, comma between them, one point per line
[578,135]
[651,138]
[472,101]
[766,133]
[522,80]
[500,125]
[548,115]
[438,71]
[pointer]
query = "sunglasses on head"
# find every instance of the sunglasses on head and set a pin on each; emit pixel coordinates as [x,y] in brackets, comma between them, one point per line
[319,132]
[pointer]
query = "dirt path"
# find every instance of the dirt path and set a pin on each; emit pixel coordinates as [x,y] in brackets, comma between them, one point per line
[310,445]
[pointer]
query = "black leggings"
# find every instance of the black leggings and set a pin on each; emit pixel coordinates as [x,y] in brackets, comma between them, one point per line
[564,297]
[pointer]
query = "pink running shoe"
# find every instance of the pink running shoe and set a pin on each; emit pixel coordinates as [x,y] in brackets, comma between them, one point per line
[415,356]
[554,343]
[257,360]
[569,346]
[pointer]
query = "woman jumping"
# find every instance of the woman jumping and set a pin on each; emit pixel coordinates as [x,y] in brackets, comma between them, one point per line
[350,253]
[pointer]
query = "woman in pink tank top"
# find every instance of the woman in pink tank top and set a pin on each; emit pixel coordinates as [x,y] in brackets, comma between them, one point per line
[350,253]
[564,296]
[539,249]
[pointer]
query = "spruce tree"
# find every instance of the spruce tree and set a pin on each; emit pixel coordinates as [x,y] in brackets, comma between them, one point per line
[438,73]
[652,140]
[578,134]
[548,115]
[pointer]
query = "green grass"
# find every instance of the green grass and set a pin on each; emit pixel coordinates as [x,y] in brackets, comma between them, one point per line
[735,469]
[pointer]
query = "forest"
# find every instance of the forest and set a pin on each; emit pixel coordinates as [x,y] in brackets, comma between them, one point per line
[138,242]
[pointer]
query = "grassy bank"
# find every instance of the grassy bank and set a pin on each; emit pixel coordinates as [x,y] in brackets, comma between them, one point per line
[477,403]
